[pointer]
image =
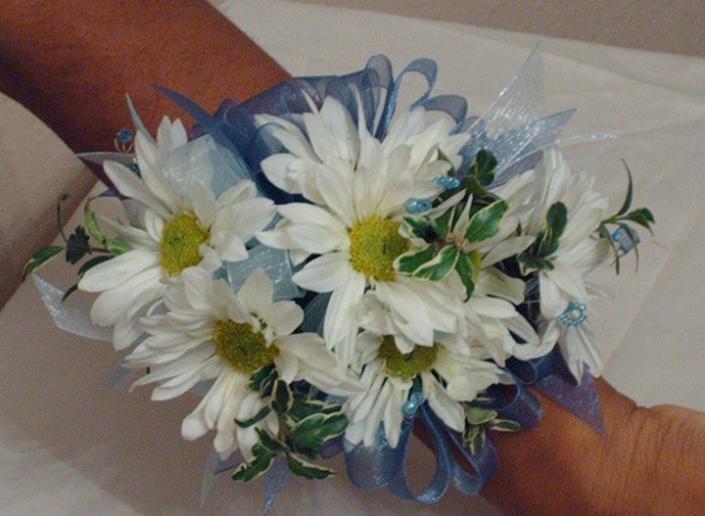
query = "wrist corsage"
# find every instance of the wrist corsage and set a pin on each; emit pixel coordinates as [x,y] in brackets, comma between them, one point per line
[326,268]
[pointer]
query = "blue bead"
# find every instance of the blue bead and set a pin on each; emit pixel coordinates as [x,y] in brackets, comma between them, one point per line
[447,183]
[409,408]
[626,238]
[134,167]
[416,206]
[575,314]
[124,135]
[412,405]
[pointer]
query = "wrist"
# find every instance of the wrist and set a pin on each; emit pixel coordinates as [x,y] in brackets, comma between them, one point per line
[563,464]
[673,474]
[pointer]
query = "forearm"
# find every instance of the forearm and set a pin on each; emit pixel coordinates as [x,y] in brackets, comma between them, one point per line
[75,60]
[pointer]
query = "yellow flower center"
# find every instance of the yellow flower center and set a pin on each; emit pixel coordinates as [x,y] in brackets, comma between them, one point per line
[244,349]
[181,238]
[406,366]
[374,245]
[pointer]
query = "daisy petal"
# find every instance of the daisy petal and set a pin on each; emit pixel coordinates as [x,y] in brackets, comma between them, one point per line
[256,293]
[204,205]
[314,238]
[118,270]
[324,274]
[341,321]
[284,317]
[129,185]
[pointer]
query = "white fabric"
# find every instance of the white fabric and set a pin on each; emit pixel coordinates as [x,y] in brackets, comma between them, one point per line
[69,445]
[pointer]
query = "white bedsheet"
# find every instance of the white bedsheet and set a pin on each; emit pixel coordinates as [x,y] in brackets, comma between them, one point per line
[69,445]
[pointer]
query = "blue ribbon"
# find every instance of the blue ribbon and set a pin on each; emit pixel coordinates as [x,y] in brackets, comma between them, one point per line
[581,399]
[550,375]
[378,466]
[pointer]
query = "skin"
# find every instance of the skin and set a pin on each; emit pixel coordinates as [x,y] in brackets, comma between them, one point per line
[55,56]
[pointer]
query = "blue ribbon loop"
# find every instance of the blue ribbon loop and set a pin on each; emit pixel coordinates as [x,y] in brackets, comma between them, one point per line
[550,375]
[378,466]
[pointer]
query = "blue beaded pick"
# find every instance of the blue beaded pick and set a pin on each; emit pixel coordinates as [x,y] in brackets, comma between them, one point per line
[124,135]
[575,314]
[447,183]
[412,405]
[417,206]
[625,238]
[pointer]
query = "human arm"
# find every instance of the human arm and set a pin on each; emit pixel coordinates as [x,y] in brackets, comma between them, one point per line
[75,61]
[649,461]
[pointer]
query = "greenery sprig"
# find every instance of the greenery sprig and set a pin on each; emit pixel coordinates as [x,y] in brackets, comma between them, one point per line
[478,420]
[77,245]
[306,425]
[466,215]
[624,219]
[538,255]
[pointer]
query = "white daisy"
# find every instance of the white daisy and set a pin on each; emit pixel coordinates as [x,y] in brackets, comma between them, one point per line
[579,252]
[359,186]
[564,291]
[493,322]
[211,333]
[448,379]
[175,233]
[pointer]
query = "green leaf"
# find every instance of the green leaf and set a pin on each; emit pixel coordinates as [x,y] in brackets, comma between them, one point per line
[77,246]
[302,468]
[408,262]
[483,167]
[117,246]
[474,439]
[528,263]
[439,268]
[268,441]
[73,288]
[259,465]
[480,415]
[302,408]
[246,423]
[89,264]
[41,258]
[485,223]
[91,221]
[281,397]
[311,432]
[468,267]
[442,223]
[504,425]
[555,223]
[641,216]
[263,378]
[421,228]
[630,191]
[473,186]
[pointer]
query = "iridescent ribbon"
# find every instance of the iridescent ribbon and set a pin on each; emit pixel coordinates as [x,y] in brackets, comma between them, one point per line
[275,263]
[71,315]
